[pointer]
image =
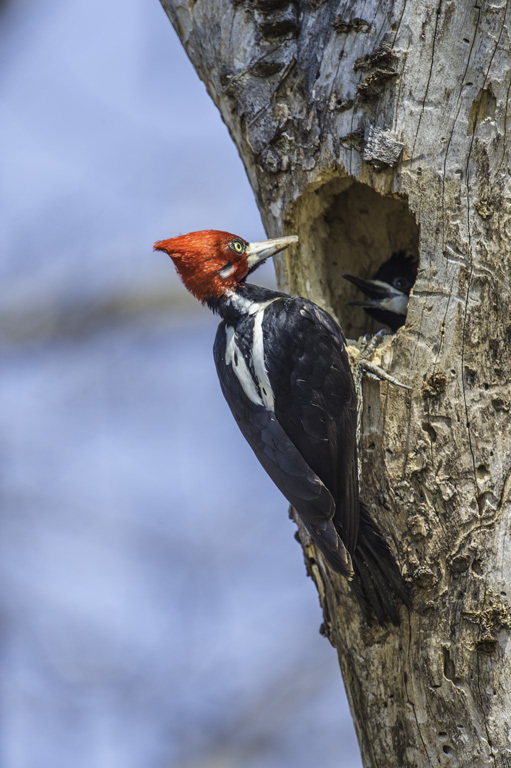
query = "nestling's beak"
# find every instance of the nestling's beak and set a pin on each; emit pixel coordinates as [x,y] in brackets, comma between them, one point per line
[375,289]
[258,252]
[381,295]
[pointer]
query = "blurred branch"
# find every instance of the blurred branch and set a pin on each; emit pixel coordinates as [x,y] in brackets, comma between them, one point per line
[44,322]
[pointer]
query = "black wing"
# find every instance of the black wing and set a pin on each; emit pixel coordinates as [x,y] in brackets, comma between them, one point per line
[283,461]
[315,400]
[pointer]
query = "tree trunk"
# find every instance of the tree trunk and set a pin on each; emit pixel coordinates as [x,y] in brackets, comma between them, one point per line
[365,128]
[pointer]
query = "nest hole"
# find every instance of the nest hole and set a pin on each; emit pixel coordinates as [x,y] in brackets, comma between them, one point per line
[350,228]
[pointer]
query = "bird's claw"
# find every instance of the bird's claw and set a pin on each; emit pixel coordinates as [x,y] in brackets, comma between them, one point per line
[364,366]
[374,371]
[370,341]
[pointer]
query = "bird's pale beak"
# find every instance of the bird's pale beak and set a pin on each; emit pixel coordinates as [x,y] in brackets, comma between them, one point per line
[258,252]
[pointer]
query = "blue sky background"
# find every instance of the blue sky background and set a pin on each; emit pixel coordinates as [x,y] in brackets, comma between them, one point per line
[154,607]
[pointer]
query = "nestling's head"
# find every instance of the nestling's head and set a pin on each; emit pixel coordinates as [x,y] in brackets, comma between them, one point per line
[211,262]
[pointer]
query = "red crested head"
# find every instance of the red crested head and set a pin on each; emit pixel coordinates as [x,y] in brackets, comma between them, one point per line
[211,262]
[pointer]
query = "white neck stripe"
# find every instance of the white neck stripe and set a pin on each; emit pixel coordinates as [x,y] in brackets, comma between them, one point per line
[258,389]
[245,305]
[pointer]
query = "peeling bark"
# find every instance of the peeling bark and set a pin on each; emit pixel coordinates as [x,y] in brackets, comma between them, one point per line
[368,127]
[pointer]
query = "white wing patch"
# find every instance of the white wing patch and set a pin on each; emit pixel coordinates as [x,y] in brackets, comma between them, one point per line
[259,391]
[234,358]
[259,366]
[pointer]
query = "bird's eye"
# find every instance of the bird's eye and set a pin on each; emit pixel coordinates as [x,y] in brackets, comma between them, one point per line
[400,284]
[238,246]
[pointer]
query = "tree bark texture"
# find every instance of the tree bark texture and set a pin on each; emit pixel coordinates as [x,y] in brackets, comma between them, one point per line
[366,127]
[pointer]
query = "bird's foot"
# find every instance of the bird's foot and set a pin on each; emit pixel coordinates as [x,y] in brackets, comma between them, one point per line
[360,353]
[373,371]
[364,365]
[370,341]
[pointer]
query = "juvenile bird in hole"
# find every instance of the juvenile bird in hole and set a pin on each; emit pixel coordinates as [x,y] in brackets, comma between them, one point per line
[388,290]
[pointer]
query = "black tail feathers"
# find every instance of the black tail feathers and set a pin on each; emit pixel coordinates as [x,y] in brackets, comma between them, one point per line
[378,583]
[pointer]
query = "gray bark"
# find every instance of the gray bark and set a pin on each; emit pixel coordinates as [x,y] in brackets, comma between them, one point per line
[366,127]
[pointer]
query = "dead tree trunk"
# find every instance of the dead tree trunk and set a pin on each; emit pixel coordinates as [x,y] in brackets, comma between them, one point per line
[366,127]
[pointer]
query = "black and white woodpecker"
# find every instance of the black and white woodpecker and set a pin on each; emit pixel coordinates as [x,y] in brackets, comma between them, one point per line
[285,374]
[389,290]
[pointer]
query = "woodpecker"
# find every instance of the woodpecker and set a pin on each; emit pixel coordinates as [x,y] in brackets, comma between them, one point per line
[388,290]
[285,374]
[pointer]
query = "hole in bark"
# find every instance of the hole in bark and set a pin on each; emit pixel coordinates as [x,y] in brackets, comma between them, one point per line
[426,426]
[448,665]
[483,108]
[349,228]
[482,473]
[447,749]
[449,669]
[486,502]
